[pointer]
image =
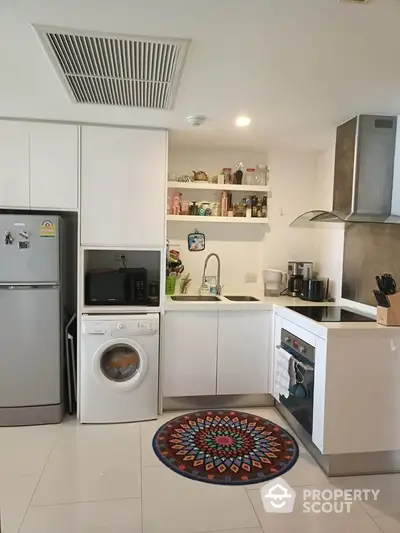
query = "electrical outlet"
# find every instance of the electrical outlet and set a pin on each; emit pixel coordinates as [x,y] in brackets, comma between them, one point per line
[251,277]
[117,257]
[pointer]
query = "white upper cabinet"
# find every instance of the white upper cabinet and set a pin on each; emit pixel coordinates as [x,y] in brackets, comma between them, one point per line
[123,187]
[53,166]
[14,164]
[243,352]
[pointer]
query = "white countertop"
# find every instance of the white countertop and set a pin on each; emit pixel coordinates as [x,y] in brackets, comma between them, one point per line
[279,304]
[264,303]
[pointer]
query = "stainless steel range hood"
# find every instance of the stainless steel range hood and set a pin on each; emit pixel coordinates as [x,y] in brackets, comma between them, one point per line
[365,188]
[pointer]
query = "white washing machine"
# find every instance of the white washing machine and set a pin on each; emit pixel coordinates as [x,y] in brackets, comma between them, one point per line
[119,368]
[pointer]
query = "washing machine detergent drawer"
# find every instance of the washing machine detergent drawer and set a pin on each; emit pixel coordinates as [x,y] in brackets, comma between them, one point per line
[96,328]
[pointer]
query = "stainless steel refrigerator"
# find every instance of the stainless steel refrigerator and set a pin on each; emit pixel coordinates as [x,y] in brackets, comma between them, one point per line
[30,320]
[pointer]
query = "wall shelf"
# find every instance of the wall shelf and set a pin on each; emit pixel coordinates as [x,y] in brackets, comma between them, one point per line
[227,220]
[198,185]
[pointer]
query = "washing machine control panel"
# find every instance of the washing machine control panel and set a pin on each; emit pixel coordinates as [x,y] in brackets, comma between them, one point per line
[137,327]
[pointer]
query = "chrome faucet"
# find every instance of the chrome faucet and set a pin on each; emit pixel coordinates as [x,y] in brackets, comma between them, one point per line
[218,288]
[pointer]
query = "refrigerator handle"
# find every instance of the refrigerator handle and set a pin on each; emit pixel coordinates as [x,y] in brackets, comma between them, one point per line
[23,287]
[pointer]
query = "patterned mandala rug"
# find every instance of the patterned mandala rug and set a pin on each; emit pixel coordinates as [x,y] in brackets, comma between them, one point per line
[225,447]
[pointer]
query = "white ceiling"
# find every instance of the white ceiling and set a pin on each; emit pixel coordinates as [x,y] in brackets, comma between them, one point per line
[297,67]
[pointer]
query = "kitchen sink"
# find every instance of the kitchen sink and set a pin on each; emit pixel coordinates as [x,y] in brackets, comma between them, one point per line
[195,298]
[242,298]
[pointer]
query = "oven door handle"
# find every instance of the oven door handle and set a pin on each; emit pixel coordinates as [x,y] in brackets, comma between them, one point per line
[304,366]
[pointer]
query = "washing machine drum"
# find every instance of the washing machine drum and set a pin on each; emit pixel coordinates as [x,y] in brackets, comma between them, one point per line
[120,364]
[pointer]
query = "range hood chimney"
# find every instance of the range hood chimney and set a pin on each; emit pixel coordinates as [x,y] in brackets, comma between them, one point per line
[365,188]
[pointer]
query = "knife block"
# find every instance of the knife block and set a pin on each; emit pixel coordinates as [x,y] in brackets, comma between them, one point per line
[389,316]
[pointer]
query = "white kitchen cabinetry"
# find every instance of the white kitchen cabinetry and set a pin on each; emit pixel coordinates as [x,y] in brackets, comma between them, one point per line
[211,352]
[53,166]
[14,164]
[243,351]
[190,353]
[123,187]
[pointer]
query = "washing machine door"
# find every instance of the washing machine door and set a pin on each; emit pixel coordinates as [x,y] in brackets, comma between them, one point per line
[120,364]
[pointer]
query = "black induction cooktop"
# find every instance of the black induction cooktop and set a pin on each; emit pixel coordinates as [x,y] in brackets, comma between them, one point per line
[330,314]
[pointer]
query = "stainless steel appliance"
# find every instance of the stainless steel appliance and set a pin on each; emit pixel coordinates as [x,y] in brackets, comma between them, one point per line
[364,186]
[330,314]
[30,320]
[301,393]
[297,272]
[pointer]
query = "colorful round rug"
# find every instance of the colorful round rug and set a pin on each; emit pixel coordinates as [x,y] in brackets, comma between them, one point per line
[225,447]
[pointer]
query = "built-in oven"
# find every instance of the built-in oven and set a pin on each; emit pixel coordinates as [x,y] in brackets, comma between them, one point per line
[301,363]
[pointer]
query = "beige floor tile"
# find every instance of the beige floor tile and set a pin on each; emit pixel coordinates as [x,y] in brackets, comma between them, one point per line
[118,516]
[90,463]
[389,524]
[15,495]
[300,522]
[305,472]
[173,504]
[388,501]
[24,450]
[241,530]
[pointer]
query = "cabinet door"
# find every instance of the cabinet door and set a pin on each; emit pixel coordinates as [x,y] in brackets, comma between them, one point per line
[123,187]
[54,166]
[243,352]
[190,353]
[14,164]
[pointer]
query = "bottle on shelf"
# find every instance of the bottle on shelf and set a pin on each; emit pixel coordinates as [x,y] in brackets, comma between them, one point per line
[224,204]
[259,208]
[230,205]
[176,203]
[264,206]
[247,201]
[254,206]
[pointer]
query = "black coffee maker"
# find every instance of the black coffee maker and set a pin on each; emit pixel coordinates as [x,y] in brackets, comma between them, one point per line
[297,272]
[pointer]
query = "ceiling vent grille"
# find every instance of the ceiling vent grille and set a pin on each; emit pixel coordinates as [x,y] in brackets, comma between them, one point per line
[116,70]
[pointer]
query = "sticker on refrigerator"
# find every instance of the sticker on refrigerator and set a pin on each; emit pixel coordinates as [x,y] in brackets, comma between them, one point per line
[47,229]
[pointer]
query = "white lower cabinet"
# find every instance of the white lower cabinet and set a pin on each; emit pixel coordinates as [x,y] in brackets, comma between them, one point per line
[190,353]
[243,350]
[208,353]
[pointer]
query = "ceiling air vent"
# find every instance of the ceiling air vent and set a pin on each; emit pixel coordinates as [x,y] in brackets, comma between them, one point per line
[116,69]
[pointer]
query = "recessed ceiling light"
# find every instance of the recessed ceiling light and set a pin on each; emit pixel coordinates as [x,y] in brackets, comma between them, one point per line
[243,121]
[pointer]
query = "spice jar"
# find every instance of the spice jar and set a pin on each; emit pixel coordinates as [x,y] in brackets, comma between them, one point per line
[251,176]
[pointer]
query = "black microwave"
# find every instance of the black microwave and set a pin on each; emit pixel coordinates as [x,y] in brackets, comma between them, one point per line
[106,287]
[136,285]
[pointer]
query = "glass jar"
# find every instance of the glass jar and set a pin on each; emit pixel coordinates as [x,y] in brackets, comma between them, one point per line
[262,175]
[227,172]
[216,211]
[251,176]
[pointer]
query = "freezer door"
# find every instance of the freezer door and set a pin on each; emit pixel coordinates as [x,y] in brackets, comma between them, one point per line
[29,249]
[30,346]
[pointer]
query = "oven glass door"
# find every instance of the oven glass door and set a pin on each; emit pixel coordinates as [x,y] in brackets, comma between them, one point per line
[301,394]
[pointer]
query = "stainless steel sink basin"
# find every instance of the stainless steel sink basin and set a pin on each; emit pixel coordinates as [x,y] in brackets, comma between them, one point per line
[242,298]
[195,298]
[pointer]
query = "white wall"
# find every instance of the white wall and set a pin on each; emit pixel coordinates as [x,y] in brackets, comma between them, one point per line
[293,181]
[250,249]
[329,252]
